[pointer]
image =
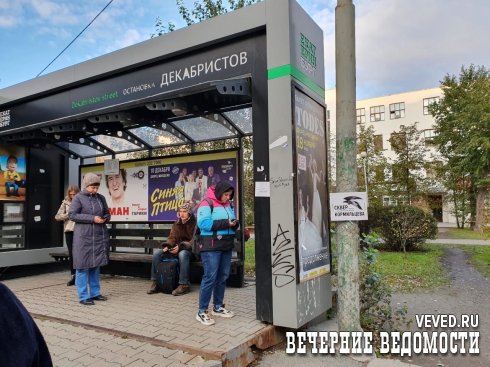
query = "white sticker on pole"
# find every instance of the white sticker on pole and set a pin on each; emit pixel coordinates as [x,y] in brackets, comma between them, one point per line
[111,167]
[345,206]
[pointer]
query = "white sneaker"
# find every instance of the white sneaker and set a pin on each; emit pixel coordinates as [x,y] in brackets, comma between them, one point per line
[223,312]
[204,318]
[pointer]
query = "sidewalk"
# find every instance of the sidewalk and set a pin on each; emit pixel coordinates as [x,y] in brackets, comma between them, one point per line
[450,241]
[139,330]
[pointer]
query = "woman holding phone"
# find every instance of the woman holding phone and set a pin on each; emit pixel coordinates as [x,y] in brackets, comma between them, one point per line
[217,227]
[90,239]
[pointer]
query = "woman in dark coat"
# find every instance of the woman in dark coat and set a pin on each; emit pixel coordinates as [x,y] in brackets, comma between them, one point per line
[90,213]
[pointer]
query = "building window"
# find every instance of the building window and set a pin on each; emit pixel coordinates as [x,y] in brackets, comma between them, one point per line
[428,102]
[429,136]
[378,142]
[397,110]
[328,114]
[361,115]
[377,113]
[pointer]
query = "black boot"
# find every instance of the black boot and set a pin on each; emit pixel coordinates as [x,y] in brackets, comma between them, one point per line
[72,281]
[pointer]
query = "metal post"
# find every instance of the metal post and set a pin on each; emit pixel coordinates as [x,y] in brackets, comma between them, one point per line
[347,232]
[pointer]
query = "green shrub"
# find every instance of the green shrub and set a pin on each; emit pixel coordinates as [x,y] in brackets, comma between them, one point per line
[376,312]
[404,227]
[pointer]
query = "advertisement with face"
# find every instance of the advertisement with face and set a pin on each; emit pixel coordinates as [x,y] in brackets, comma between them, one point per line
[311,155]
[154,189]
[13,173]
[125,193]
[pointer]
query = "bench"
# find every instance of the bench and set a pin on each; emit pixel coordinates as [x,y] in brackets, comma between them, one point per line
[123,239]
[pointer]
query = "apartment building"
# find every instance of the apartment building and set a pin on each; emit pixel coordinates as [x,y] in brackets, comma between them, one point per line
[387,114]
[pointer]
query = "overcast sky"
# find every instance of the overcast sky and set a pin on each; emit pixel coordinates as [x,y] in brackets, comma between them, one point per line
[401,45]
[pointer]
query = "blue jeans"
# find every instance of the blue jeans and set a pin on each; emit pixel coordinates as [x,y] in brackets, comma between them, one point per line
[217,265]
[9,185]
[185,258]
[90,277]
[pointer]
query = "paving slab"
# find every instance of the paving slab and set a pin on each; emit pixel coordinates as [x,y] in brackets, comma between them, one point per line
[135,329]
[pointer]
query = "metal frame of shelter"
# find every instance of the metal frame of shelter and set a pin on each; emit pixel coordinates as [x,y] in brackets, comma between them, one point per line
[244,73]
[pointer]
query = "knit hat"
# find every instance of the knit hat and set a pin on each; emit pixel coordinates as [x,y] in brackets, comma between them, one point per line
[186,206]
[90,179]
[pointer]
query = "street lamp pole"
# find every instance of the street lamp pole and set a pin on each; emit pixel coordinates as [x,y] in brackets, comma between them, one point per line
[364,158]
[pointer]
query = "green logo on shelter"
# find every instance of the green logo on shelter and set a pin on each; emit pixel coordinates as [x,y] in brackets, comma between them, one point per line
[308,51]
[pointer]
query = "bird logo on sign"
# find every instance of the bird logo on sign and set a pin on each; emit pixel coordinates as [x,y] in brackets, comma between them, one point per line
[351,200]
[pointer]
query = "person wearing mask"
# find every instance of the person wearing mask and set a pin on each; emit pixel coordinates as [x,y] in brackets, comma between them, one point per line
[68,226]
[90,239]
[217,227]
[179,243]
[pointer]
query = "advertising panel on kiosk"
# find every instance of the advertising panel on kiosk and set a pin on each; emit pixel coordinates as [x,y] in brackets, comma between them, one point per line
[152,190]
[13,173]
[313,233]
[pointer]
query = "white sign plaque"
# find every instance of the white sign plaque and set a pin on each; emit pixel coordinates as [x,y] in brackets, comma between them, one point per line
[345,206]
[111,167]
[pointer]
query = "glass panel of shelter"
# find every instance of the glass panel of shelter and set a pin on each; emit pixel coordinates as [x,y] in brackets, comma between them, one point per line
[81,150]
[116,144]
[198,129]
[155,137]
[242,119]
[201,129]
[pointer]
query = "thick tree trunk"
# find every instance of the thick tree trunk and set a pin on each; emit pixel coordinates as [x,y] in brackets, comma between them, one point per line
[480,210]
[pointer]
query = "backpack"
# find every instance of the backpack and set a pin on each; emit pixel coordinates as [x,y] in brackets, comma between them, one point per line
[168,275]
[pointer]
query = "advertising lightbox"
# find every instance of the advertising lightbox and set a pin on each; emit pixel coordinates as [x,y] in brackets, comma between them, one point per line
[311,155]
[13,173]
[153,189]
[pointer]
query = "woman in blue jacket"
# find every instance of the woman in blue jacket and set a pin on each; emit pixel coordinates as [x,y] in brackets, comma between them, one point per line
[217,227]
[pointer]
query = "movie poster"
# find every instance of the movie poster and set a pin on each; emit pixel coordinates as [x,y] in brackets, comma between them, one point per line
[312,220]
[153,189]
[13,173]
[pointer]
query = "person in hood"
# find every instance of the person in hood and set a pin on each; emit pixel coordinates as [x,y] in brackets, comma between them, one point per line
[21,341]
[179,243]
[90,239]
[68,226]
[217,227]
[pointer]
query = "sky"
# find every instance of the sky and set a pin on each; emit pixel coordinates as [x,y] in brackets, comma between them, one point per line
[401,45]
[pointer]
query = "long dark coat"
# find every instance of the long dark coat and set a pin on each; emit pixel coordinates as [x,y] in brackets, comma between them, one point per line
[90,240]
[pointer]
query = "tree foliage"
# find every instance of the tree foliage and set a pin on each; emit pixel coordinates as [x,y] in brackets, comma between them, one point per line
[376,165]
[408,182]
[204,9]
[463,131]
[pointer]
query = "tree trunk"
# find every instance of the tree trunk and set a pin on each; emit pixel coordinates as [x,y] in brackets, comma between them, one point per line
[480,210]
[456,212]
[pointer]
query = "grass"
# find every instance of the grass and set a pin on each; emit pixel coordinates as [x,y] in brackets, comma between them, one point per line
[250,258]
[422,271]
[465,234]
[479,257]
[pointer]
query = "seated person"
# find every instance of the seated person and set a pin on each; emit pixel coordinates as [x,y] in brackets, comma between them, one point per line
[179,243]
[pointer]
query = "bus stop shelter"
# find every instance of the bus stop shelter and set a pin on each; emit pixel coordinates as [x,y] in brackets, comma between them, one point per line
[257,71]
